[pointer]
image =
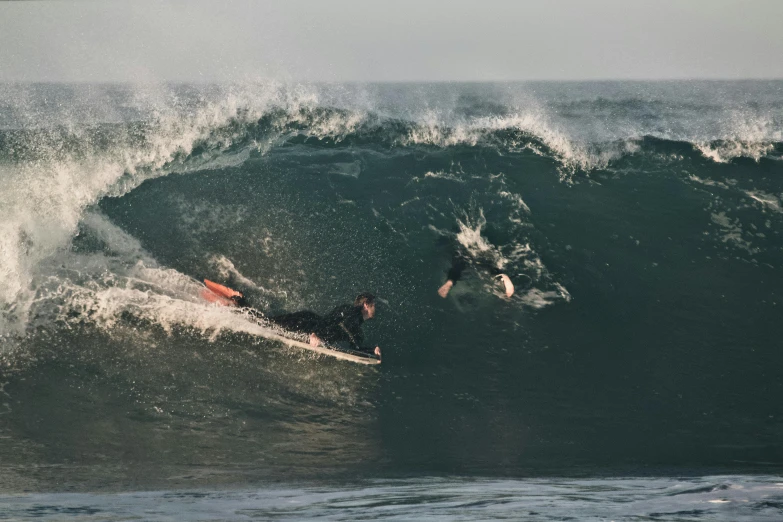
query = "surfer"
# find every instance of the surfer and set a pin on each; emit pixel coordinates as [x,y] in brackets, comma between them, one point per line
[343,324]
[460,260]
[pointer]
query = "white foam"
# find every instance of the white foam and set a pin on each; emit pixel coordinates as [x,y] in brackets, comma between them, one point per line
[444,176]
[732,231]
[574,154]
[226,270]
[536,298]
[707,182]
[45,198]
[745,135]
[769,201]
[147,294]
[516,198]
[725,151]
[469,235]
[331,124]
[117,241]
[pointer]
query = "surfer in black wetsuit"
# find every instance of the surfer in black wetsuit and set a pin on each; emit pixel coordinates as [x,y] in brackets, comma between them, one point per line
[460,261]
[343,324]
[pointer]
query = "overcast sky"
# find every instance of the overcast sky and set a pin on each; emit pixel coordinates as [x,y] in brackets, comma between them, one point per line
[392,40]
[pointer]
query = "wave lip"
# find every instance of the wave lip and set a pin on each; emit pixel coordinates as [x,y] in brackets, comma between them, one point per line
[525,130]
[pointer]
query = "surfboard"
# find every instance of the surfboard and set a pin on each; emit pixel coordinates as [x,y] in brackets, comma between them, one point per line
[216,293]
[357,357]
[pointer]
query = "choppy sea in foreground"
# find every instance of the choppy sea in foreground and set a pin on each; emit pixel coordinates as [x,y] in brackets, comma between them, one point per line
[632,499]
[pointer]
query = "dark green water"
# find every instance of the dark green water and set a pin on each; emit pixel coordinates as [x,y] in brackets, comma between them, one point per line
[640,224]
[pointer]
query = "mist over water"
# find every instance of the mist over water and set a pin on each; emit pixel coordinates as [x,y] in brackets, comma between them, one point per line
[640,224]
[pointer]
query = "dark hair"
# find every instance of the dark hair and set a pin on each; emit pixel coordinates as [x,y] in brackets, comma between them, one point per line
[364,298]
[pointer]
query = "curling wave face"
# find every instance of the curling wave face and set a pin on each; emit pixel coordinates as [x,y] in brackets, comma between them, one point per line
[616,210]
[63,148]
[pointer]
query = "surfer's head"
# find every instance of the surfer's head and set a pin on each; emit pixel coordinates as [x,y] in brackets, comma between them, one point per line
[367,302]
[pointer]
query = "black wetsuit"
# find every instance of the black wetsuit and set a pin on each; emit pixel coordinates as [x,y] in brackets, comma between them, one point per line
[343,324]
[460,260]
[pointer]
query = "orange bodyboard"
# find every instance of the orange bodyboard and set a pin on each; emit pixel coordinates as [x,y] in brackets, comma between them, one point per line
[211,297]
[221,290]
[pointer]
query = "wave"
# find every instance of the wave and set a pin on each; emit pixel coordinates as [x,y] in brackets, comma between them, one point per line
[109,221]
[51,176]
[54,173]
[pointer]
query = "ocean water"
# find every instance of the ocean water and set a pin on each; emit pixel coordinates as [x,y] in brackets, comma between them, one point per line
[638,359]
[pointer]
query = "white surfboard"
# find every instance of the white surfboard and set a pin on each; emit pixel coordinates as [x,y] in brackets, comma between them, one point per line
[356,357]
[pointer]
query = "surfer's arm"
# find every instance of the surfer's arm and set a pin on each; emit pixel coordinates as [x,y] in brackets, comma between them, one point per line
[342,325]
[355,338]
[443,291]
[454,274]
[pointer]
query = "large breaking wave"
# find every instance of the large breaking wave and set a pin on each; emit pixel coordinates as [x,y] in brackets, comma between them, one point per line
[640,224]
[63,149]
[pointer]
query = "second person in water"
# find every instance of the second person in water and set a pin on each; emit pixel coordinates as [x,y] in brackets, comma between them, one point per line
[461,259]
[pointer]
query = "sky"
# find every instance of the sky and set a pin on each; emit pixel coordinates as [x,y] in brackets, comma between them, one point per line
[386,41]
